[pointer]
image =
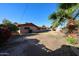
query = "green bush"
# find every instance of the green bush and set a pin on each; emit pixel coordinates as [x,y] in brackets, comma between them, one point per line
[71,40]
[12,27]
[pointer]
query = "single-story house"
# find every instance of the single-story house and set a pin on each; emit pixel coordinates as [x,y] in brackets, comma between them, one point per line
[27,28]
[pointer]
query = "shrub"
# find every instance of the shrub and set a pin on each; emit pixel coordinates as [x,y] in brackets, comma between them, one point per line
[71,40]
[12,27]
[4,35]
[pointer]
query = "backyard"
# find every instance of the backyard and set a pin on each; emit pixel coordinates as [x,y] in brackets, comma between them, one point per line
[52,31]
[38,44]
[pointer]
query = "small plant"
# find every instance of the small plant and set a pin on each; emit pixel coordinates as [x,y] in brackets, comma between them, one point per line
[71,40]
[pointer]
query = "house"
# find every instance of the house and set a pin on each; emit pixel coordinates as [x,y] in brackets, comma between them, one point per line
[44,28]
[27,28]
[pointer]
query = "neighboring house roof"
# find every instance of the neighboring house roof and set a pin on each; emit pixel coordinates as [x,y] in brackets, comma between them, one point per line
[27,24]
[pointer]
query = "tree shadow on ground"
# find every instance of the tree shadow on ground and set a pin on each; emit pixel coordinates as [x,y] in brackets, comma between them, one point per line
[31,34]
[43,31]
[32,47]
[64,50]
[41,50]
[36,33]
[37,49]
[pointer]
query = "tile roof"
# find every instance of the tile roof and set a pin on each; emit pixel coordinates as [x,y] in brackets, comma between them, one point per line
[27,24]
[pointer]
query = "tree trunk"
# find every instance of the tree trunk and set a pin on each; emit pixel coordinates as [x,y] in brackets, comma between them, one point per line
[71,25]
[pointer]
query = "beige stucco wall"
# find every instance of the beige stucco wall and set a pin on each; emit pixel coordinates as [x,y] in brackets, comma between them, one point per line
[34,28]
[24,31]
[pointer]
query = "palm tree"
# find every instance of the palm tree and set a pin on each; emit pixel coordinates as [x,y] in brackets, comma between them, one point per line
[70,8]
[65,12]
[58,18]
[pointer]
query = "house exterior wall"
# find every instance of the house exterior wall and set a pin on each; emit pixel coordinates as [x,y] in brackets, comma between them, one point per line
[29,27]
[34,29]
[22,29]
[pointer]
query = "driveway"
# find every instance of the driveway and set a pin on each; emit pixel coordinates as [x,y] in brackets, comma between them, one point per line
[37,44]
[52,40]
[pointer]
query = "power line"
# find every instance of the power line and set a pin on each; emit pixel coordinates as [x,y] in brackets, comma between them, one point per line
[23,13]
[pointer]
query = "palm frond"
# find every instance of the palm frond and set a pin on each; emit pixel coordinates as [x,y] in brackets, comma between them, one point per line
[53,16]
[67,5]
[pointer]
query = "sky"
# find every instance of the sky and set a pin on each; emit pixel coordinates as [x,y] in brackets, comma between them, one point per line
[36,13]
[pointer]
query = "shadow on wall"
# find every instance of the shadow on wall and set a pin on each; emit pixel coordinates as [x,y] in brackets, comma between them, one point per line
[32,47]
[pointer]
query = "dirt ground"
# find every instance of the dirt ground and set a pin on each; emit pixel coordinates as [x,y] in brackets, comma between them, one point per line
[38,44]
[52,40]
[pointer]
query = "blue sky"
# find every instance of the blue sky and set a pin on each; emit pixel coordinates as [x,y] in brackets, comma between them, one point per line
[36,13]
